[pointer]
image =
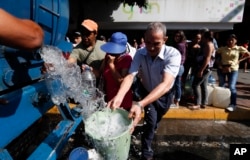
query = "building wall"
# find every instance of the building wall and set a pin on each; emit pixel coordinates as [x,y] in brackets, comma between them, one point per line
[188,15]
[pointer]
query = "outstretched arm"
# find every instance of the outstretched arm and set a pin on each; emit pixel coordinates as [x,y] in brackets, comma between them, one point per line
[19,33]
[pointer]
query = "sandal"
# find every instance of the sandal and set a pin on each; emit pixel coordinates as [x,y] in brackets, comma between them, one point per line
[194,107]
[203,106]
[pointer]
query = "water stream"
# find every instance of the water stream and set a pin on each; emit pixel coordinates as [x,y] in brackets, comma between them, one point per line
[106,127]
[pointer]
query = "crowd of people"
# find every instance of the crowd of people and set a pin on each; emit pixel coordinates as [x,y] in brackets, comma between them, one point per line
[162,69]
[156,63]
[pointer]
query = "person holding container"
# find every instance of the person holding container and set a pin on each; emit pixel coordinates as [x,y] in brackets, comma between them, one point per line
[159,65]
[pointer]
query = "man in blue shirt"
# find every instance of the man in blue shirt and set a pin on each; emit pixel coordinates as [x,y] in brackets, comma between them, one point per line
[159,65]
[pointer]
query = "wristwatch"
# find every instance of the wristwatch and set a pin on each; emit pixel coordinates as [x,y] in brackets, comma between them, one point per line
[139,105]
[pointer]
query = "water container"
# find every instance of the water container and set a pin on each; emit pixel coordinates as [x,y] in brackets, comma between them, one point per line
[188,90]
[79,153]
[55,88]
[89,83]
[109,131]
[221,97]
[210,90]
[211,79]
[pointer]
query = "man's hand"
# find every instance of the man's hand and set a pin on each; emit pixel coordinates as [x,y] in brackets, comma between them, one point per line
[84,66]
[47,67]
[115,102]
[135,113]
[20,33]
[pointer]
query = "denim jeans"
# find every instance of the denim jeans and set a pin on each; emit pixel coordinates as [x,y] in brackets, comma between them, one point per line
[178,84]
[232,80]
[200,82]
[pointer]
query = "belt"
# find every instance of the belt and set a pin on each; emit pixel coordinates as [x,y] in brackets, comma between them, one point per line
[226,65]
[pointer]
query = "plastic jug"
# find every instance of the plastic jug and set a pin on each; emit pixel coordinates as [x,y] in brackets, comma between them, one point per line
[210,90]
[221,97]
[89,83]
[55,88]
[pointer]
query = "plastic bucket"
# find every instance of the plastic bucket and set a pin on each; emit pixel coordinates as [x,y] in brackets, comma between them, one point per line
[109,132]
[79,153]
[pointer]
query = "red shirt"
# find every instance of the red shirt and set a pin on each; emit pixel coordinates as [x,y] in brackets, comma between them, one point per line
[111,87]
[245,45]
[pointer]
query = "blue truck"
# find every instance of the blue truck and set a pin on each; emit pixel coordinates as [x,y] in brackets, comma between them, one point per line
[25,98]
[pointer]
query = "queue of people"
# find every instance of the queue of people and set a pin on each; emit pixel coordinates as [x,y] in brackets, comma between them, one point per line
[201,55]
[202,70]
[158,64]
[162,70]
[180,43]
[161,67]
[228,58]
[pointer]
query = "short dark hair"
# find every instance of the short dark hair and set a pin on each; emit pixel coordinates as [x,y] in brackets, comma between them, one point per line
[232,36]
[208,35]
[77,34]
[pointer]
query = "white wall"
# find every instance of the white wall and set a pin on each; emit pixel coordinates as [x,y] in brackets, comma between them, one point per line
[183,11]
[177,14]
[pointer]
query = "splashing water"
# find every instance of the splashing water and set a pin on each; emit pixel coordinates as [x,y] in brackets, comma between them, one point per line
[109,132]
[64,81]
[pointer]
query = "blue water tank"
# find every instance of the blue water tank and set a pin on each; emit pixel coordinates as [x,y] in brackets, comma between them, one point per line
[19,68]
[51,15]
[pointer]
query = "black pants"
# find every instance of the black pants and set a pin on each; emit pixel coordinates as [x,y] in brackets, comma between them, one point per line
[153,114]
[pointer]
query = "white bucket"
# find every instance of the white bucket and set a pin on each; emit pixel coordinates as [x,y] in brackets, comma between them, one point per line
[221,97]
